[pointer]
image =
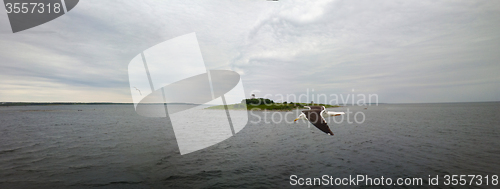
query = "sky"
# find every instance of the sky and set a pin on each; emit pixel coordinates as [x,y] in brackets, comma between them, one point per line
[402,51]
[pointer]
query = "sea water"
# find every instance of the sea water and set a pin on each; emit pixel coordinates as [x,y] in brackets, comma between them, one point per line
[110,146]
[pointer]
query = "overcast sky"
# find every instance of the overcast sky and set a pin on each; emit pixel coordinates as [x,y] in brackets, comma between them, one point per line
[403,51]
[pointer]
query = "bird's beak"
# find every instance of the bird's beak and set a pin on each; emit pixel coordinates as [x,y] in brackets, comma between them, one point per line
[295,120]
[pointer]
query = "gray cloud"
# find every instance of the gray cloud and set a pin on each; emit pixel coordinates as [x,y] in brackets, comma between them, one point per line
[404,51]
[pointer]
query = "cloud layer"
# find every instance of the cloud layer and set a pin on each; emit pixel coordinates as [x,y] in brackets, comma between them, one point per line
[404,51]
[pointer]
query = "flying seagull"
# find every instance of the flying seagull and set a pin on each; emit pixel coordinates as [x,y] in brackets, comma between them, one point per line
[314,114]
[138,90]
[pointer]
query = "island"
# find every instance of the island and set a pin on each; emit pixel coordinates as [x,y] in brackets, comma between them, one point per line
[267,104]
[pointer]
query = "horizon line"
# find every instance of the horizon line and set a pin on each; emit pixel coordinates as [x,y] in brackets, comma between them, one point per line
[97,102]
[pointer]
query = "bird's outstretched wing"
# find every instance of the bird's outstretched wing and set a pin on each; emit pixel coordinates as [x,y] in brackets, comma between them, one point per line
[335,113]
[314,116]
[316,107]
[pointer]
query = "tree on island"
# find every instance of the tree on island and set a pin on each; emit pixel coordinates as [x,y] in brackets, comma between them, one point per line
[268,104]
[257,101]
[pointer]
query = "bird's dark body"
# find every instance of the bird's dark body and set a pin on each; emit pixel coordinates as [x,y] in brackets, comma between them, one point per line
[314,116]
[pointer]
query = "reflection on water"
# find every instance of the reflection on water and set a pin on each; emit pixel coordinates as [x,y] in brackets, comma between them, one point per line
[110,146]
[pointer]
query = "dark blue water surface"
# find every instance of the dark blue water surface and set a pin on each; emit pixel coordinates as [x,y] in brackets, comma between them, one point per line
[110,146]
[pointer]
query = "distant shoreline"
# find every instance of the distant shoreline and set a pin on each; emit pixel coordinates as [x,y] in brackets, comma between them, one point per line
[117,103]
[80,103]
[58,103]
[271,107]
